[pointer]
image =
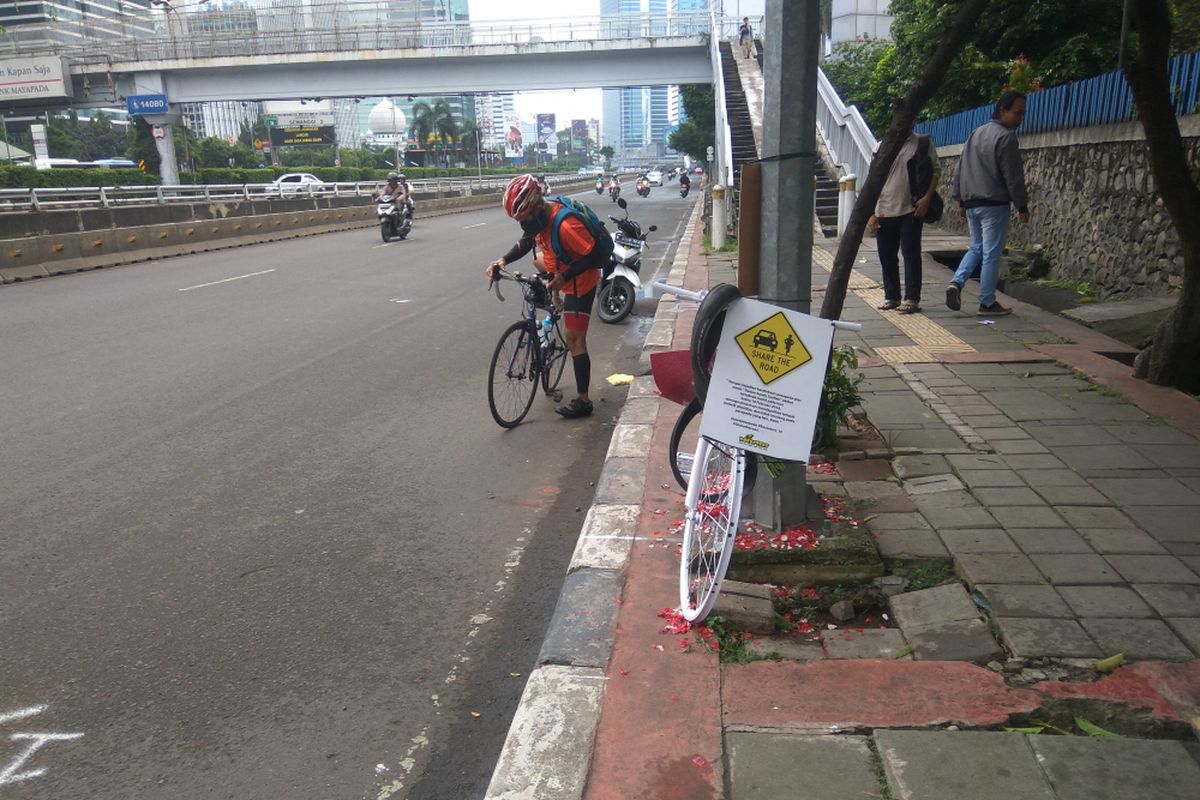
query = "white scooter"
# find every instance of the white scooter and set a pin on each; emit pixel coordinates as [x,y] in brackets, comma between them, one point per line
[618,287]
[394,220]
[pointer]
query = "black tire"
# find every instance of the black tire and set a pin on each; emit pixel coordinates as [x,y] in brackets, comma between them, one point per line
[554,360]
[615,300]
[682,467]
[385,229]
[513,375]
[706,334]
[403,232]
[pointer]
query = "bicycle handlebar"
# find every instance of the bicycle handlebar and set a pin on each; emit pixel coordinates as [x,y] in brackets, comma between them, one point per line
[699,296]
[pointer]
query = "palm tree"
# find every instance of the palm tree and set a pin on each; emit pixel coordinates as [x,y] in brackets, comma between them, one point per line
[468,139]
[422,125]
[433,120]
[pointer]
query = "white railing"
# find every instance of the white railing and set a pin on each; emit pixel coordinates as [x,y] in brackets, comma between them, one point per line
[45,199]
[329,26]
[847,136]
[724,143]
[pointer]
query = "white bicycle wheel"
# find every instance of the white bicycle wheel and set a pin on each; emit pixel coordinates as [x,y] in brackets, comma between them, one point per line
[712,506]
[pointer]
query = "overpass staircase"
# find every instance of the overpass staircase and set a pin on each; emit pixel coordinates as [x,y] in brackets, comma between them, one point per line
[744,108]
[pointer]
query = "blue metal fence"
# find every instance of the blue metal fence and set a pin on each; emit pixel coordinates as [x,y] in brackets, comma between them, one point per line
[1101,100]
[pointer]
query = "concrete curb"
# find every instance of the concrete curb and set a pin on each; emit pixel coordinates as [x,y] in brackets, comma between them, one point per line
[548,750]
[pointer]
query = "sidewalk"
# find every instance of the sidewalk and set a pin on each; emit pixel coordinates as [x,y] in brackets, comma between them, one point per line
[1058,509]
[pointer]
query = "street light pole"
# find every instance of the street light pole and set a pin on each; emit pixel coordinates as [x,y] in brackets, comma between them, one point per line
[395,135]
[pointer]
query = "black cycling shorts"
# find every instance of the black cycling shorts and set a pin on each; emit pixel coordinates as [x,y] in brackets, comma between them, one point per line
[577,310]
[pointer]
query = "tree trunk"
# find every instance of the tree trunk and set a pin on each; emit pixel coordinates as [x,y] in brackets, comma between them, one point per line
[1172,358]
[904,113]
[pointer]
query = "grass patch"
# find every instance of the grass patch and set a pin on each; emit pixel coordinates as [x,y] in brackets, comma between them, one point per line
[731,245]
[1099,388]
[1086,291]
[733,646]
[929,575]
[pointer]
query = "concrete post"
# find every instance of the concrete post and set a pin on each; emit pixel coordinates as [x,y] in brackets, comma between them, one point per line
[168,168]
[719,217]
[847,194]
[788,149]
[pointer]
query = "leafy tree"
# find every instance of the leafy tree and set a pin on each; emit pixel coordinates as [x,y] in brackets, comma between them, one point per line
[608,152]
[1171,359]
[468,140]
[142,149]
[698,130]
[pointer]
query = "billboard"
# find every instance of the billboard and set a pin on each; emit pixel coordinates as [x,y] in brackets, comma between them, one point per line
[547,140]
[34,78]
[513,145]
[579,136]
[293,137]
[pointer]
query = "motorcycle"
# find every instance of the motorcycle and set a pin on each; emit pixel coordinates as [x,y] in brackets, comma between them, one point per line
[614,192]
[620,280]
[599,187]
[394,219]
[642,187]
[684,188]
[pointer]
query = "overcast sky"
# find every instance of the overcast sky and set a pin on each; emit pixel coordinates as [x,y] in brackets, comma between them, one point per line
[576,103]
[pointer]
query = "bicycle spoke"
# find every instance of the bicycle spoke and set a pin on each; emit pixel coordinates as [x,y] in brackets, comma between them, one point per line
[513,376]
[713,503]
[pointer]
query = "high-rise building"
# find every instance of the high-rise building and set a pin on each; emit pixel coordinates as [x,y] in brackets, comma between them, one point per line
[853,19]
[40,22]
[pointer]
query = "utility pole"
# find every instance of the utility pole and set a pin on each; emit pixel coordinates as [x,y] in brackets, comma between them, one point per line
[788,153]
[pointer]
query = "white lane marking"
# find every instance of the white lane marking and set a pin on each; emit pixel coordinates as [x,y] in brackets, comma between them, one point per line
[376,247]
[400,300]
[21,714]
[477,620]
[476,225]
[227,280]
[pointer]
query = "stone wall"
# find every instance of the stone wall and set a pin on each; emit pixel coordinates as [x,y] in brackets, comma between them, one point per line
[1094,207]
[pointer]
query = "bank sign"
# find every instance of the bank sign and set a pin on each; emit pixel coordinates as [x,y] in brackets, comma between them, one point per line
[34,78]
[767,379]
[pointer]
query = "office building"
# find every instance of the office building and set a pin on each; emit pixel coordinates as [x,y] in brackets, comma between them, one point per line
[30,23]
[854,19]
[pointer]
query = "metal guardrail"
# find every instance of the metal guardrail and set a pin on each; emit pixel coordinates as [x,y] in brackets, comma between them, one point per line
[724,141]
[1101,100]
[46,199]
[847,136]
[322,26]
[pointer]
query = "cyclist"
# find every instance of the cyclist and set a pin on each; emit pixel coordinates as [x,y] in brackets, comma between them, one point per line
[524,202]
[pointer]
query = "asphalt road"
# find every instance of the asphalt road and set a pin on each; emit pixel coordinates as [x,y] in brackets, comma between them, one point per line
[259,535]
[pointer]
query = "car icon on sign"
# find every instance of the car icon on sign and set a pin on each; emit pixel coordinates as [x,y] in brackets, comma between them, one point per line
[766,340]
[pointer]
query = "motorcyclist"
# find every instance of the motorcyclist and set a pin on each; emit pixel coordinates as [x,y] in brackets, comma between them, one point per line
[402,189]
[543,184]
[614,186]
[599,184]
[684,180]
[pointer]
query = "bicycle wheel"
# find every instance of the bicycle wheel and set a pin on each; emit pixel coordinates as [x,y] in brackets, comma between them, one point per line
[706,333]
[554,360]
[682,446]
[714,500]
[513,376]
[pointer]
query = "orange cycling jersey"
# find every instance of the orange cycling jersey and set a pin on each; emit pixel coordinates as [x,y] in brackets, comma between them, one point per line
[574,238]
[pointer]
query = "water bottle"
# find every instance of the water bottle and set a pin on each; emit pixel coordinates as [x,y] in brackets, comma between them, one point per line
[545,328]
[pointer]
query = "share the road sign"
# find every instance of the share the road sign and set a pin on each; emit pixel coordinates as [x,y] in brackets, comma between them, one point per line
[767,380]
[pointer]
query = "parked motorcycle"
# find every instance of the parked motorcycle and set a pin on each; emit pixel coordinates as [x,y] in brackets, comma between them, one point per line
[620,281]
[394,218]
[614,192]
[642,187]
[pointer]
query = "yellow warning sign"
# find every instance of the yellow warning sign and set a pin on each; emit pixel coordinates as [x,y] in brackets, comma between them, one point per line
[773,348]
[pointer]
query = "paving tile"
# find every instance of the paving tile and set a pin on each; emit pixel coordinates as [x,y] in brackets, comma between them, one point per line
[1187,629]
[977,540]
[1008,496]
[1167,523]
[1033,461]
[769,765]
[932,484]
[1072,496]
[1153,569]
[1046,638]
[1148,433]
[910,544]
[1068,435]
[1000,434]
[1102,456]
[1147,492]
[976,462]
[977,568]
[1087,518]
[1091,768]
[1171,599]
[871,643]
[1075,568]
[1027,517]
[982,420]
[872,489]
[1049,477]
[1049,540]
[940,765]
[871,469]
[897,522]
[977,478]
[1171,455]
[906,467]
[1030,404]
[914,611]
[1131,540]
[1136,638]
[1019,447]
[1023,600]
[1105,601]
[963,640]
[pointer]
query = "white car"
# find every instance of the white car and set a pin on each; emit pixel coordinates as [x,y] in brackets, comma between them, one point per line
[655,177]
[297,181]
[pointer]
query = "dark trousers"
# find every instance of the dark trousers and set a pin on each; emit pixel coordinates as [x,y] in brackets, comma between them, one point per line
[900,235]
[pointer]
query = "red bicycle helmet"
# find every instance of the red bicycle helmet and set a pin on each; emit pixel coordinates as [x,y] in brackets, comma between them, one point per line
[522,196]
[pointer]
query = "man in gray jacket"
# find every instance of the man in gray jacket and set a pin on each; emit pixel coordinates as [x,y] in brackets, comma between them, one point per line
[990,177]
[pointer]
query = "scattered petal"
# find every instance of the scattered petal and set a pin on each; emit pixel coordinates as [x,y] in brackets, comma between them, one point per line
[699,761]
[476,714]
[624,673]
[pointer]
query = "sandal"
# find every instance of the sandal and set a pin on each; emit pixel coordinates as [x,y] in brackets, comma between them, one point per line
[908,307]
[888,305]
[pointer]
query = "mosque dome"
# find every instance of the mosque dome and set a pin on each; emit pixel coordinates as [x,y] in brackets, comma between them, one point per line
[382,121]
